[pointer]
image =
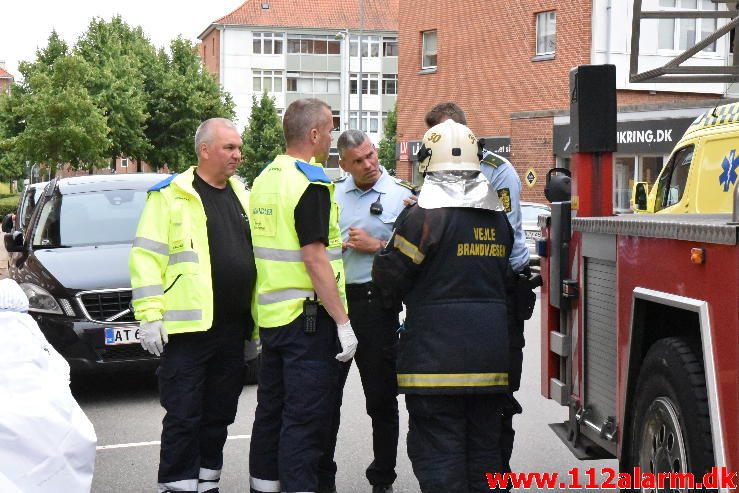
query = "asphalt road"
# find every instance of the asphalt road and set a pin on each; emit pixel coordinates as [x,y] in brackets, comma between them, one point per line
[125,410]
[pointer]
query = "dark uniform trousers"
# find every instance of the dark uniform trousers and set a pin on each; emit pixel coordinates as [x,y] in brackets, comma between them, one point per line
[295,404]
[444,430]
[376,329]
[201,376]
[515,361]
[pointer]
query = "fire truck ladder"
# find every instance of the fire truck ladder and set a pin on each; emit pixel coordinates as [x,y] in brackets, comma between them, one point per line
[674,71]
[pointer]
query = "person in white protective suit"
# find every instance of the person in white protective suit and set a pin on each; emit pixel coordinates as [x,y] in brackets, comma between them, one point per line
[47,444]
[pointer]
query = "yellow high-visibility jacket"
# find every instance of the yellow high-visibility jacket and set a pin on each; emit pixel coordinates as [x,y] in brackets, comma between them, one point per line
[170,258]
[283,282]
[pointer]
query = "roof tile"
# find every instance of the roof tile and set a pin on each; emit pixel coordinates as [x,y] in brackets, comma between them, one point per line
[381,15]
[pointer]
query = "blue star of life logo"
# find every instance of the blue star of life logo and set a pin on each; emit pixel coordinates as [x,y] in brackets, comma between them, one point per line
[730,165]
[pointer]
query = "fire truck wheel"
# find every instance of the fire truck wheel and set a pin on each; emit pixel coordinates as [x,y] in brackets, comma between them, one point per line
[671,429]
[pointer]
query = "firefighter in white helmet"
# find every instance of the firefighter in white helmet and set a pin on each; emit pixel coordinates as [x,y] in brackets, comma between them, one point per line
[448,262]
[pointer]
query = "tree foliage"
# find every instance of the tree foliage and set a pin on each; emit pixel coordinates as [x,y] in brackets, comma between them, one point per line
[113,94]
[263,137]
[386,150]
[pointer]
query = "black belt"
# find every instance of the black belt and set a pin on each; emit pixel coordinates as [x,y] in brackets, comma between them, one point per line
[364,291]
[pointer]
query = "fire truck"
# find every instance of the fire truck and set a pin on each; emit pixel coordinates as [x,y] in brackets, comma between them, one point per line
[639,313]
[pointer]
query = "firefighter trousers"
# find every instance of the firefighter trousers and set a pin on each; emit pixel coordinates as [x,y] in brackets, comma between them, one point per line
[453,440]
[200,379]
[295,403]
[376,330]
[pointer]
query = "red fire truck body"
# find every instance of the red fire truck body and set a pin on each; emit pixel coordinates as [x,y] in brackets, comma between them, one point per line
[640,330]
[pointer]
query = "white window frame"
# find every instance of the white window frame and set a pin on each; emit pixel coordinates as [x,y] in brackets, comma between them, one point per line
[368,82]
[124,162]
[390,41]
[368,119]
[301,77]
[390,78]
[429,51]
[274,77]
[546,25]
[309,48]
[675,26]
[262,39]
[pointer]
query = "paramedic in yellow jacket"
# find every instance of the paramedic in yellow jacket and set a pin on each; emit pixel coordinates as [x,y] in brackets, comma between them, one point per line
[300,305]
[193,274]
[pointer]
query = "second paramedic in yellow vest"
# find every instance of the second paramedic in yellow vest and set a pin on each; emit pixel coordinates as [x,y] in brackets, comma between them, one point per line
[300,305]
[193,274]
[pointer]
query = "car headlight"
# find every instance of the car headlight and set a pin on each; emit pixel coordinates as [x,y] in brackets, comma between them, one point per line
[40,300]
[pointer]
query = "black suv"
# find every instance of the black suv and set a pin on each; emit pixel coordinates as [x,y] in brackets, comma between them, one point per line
[71,259]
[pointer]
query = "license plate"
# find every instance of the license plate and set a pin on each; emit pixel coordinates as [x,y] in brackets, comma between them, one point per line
[534,235]
[121,335]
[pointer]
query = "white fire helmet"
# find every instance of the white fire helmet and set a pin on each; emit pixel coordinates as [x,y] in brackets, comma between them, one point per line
[448,146]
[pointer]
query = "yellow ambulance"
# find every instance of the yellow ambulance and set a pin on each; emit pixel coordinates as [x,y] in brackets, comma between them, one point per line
[701,174]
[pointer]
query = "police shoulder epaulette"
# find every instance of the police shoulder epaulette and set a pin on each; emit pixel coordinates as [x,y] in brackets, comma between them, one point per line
[163,184]
[405,184]
[312,172]
[340,179]
[493,159]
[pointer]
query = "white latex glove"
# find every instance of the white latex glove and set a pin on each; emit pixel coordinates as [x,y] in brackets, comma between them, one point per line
[153,337]
[251,351]
[348,341]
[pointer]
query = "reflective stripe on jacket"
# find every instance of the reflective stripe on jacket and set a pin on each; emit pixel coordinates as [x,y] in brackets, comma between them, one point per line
[170,257]
[283,282]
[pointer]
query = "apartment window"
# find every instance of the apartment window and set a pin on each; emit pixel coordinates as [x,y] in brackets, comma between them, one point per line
[370,83]
[370,46]
[337,120]
[685,33]
[546,33]
[428,47]
[312,44]
[267,43]
[124,163]
[389,46]
[370,121]
[313,82]
[267,80]
[390,83]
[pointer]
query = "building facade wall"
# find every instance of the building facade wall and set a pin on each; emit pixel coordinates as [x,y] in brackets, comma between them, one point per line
[210,52]
[486,63]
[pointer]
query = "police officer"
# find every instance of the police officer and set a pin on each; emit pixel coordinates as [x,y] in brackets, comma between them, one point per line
[504,179]
[301,305]
[193,273]
[448,261]
[369,200]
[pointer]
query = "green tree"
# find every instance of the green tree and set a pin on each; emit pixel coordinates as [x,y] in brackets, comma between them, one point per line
[118,53]
[62,122]
[12,163]
[263,137]
[386,151]
[182,93]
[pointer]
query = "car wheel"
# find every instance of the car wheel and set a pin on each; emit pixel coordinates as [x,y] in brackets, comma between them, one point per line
[670,430]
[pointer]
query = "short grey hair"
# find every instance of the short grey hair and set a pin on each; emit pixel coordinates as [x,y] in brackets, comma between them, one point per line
[204,133]
[301,116]
[350,139]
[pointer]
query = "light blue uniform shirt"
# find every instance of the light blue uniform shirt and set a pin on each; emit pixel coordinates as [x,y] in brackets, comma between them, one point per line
[503,177]
[354,211]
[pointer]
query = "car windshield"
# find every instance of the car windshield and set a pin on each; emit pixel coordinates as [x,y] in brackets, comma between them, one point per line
[92,218]
[532,212]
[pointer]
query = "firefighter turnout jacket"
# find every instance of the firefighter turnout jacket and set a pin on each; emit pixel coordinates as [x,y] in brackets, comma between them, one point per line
[283,282]
[170,259]
[449,266]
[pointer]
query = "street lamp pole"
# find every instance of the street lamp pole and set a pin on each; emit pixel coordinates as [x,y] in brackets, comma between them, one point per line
[345,77]
[360,77]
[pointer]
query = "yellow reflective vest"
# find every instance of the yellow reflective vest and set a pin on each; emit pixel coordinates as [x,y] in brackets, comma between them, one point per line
[170,257]
[283,282]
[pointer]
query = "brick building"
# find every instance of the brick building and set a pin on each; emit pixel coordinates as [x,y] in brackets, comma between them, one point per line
[6,79]
[295,49]
[507,65]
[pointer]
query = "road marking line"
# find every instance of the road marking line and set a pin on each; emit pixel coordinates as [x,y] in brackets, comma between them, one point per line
[147,444]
